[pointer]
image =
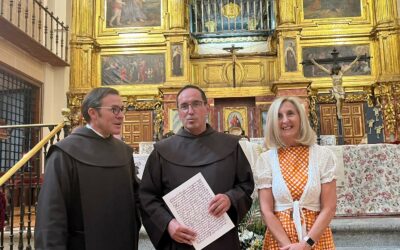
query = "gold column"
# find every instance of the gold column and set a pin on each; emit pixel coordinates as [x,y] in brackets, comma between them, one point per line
[81,76]
[82,12]
[82,45]
[387,89]
[286,11]
[389,51]
[177,14]
[385,11]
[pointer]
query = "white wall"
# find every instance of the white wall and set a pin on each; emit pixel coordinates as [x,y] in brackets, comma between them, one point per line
[54,80]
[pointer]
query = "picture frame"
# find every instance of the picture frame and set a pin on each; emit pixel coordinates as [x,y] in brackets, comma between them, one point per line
[360,68]
[290,54]
[119,14]
[177,60]
[128,69]
[319,9]
[235,117]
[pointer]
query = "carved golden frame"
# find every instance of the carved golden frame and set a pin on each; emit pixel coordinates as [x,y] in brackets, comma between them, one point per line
[136,89]
[365,18]
[170,78]
[227,111]
[101,26]
[348,81]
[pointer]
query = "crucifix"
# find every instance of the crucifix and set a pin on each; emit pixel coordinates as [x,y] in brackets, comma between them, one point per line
[337,72]
[233,51]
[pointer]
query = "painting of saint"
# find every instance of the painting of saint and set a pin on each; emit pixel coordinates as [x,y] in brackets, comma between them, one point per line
[315,9]
[359,68]
[235,118]
[132,13]
[177,60]
[290,55]
[131,69]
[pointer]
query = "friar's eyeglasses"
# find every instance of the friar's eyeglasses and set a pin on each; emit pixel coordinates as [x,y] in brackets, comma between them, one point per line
[194,104]
[115,109]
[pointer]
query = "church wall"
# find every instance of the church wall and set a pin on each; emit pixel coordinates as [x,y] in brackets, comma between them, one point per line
[17,59]
[54,81]
[316,27]
[305,28]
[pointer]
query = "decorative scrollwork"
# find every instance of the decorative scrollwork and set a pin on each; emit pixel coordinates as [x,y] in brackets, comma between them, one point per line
[231,10]
[313,100]
[386,93]
[159,119]
[326,99]
[74,101]
[356,97]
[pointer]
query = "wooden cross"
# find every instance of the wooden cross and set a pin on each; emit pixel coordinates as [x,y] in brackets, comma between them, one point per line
[335,60]
[233,51]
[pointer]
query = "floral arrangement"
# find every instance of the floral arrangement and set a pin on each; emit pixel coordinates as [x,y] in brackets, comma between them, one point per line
[252,229]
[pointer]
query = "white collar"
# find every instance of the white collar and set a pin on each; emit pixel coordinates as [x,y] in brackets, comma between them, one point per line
[98,133]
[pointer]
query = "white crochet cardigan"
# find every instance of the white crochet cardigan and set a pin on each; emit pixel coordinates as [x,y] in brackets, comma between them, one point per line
[321,169]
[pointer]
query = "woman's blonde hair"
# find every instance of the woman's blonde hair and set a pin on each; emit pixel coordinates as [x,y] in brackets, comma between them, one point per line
[272,135]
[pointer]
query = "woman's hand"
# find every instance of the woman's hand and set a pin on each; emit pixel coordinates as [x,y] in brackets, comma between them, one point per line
[297,246]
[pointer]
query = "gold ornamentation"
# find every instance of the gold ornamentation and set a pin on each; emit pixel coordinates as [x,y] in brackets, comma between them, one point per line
[74,101]
[231,10]
[144,105]
[376,112]
[385,93]
[211,26]
[313,100]
[130,101]
[370,125]
[235,117]
[356,97]
[369,93]
[159,119]
[378,131]
[326,99]
[252,24]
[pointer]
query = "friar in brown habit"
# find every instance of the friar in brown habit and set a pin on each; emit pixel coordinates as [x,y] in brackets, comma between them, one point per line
[89,198]
[195,148]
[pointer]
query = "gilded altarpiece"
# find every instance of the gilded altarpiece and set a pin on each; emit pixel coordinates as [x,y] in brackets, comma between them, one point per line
[303,24]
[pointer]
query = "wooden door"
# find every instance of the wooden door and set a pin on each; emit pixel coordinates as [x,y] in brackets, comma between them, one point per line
[353,121]
[138,127]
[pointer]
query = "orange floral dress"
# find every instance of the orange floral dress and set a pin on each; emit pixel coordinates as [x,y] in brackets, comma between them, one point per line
[293,163]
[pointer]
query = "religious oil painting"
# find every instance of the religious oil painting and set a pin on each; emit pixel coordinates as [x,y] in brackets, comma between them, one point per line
[132,13]
[133,69]
[235,118]
[290,54]
[315,9]
[174,122]
[361,67]
[177,59]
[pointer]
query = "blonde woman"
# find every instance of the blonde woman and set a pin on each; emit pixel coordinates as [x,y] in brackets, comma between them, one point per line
[295,181]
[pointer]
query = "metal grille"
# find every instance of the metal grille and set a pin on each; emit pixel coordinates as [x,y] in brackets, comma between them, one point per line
[224,18]
[18,105]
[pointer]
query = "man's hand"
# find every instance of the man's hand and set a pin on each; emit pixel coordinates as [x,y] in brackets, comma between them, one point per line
[181,233]
[219,205]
